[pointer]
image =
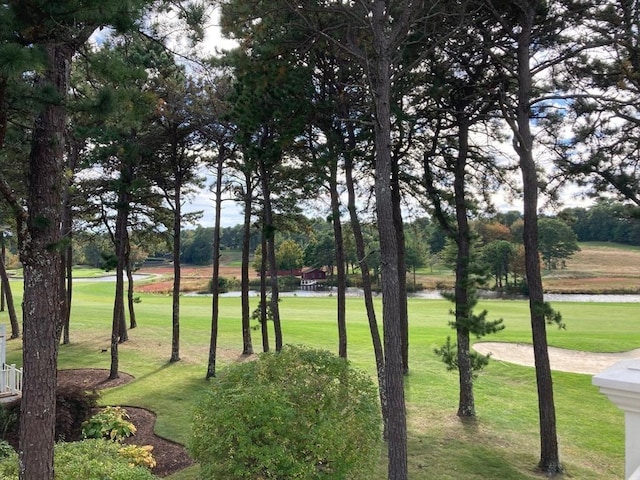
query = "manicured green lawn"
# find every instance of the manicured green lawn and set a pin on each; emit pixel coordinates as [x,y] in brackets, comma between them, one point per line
[501,443]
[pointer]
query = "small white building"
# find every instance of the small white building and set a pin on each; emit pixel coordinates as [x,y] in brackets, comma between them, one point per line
[10,376]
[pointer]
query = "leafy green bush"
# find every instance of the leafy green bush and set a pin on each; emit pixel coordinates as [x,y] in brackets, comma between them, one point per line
[139,455]
[85,460]
[297,414]
[110,422]
[225,285]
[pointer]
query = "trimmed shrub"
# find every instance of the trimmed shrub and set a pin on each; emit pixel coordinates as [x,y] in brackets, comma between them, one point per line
[88,459]
[297,414]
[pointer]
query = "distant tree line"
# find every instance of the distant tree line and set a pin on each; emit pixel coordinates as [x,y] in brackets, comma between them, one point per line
[605,221]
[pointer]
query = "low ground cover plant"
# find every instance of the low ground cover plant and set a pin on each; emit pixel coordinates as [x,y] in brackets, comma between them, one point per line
[87,459]
[297,414]
[110,422]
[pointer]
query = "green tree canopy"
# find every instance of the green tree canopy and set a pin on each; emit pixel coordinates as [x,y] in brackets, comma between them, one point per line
[556,242]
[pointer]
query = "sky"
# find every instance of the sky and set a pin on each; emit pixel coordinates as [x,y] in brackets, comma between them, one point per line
[232,213]
[231,210]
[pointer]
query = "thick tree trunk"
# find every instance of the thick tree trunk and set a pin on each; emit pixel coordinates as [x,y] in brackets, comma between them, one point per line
[177,271]
[391,295]
[466,403]
[247,344]
[215,285]
[549,457]
[41,263]
[340,260]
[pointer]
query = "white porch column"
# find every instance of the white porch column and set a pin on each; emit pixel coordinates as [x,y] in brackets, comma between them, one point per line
[621,384]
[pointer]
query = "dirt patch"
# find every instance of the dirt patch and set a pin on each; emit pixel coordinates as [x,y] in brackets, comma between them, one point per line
[561,359]
[170,456]
[192,278]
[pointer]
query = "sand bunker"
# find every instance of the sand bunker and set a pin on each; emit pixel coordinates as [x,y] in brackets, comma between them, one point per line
[561,359]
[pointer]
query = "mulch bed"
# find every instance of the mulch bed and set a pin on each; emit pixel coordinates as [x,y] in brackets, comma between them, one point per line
[170,456]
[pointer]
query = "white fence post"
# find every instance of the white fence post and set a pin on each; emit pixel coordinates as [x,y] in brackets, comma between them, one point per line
[621,384]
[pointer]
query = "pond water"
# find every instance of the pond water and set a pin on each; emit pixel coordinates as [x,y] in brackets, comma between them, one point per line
[425,294]
[435,295]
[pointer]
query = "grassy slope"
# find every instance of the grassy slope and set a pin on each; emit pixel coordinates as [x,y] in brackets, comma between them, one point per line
[501,443]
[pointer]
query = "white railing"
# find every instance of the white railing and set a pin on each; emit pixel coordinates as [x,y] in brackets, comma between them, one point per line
[10,380]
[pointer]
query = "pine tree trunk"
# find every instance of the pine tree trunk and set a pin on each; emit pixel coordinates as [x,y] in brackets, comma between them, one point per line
[391,295]
[264,318]
[119,325]
[549,457]
[41,263]
[269,230]
[396,198]
[366,282]
[215,284]
[73,154]
[340,261]
[247,344]
[466,402]
[130,285]
[177,271]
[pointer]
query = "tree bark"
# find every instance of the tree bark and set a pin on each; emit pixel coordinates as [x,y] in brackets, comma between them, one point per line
[391,308]
[523,143]
[119,326]
[247,345]
[340,260]
[215,286]
[118,302]
[39,253]
[396,198]
[466,402]
[264,317]
[66,279]
[269,234]
[177,269]
[366,280]
[130,284]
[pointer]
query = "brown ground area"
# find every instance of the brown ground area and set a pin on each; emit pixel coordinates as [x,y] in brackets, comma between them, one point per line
[170,456]
[193,279]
